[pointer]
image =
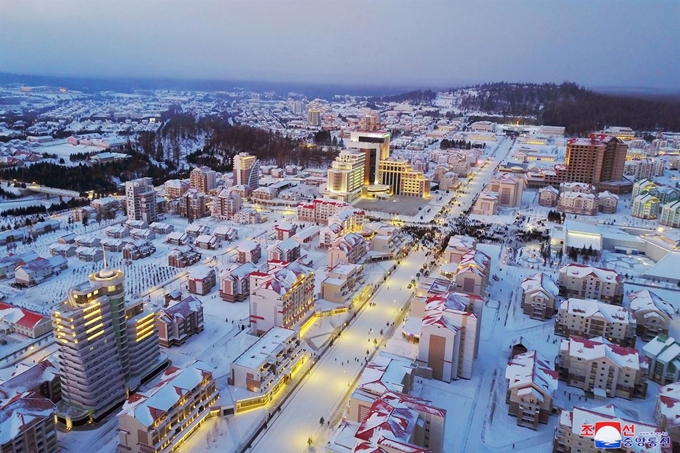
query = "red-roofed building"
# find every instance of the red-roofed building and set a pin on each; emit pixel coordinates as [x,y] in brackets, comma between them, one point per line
[590,282]
[179,321]
[25,322]
[27,424]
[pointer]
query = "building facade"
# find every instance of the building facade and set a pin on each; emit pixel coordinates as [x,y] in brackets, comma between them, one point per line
[589,318]
[589,282]
[140,200]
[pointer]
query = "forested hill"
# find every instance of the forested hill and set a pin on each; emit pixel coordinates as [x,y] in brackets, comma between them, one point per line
[580,110]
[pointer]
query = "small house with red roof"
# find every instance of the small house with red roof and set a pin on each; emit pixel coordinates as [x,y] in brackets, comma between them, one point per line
[25,322]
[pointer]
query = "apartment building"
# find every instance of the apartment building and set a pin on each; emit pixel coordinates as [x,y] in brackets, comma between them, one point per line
[27,424]
[652,314]
[607,202]
[235,282]
[346,176]
[280,297]
[595,159]
[192,205]
[178,322]
[663,353]
[590,282]
[645,207]
[319,210]
[183,256]
[342,282]
[574,432]
[201,280]
[670,214]
[348,249]
[203,179]
[547,196]
[350,220]
[269,363]
[509,188]
[667,412]
[140,200]
[578,203]
[105,347]
[249,251]
[285,231]
[246,171]
[602,369]
[531,389]
[163,417]
[227,203]
[589,318]
[286,250]
[457,247]
[449,337]
[175,188]
[472,274]
[539,293]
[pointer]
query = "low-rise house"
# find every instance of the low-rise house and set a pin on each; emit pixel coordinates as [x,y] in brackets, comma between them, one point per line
[663,353]
[547,196]
[9,263]
[652,314]
[87,241]
[22,321]
[226,233]
[69,238]
[41,378]
[235,282]
[285,231]
[589,318]
[116,231]
[202,279]
[177,238]
[65,250]
[158,419]
[539,292]
[195,230]
[46,226]
[112,245]
[269,362]
[590,282]
[602,369]
[161,228]
[183,256]
[138,224]
[89,254]
[206,241]
[143,234]
[33,273]
[178,322]
[138,249]
[531,389]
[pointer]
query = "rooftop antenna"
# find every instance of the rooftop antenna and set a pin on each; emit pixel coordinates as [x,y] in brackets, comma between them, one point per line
[105,273]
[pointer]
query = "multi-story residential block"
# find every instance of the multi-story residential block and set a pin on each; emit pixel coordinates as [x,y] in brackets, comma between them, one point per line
[509,188]
[264,194]
[175,188]
[140,200]
[246,171]
[319,210]
[670,214]
[577,203]
[645,207]
[41,379]
[385,373]
[652,314]
[192,205]
[249,251]
[178,322]
[547,196]
[589,318]
[589,282]
[282,296]
[201,280]
[348,249]
[285,231]
[486,204]
[286,251]
[27,424]
[663,353]
[350,220]
[574,432]
[472,274]
[396,422]
[203,179]
[539,293]
[269,363]
[667,412]
[577,187]
[106,347]
[602,369]
[342,282]
[449,336]
[594,160]
[159,419]
[607,202]
[235,282]
[531,388]
[227,203]
[457,247]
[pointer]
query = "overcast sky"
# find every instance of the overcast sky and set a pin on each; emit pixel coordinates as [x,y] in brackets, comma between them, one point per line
[597,43]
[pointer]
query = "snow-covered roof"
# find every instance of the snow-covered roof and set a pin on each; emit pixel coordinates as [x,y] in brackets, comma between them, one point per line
[20,316]
[528,369]
[267,345]
[578,347]
[591,307]
[539,281]
[459,242]
[175,383]
[644,300]
[581,270]
[28,379]
[19,412]
[669,403]
[385,372]
[183,308]
[664,348]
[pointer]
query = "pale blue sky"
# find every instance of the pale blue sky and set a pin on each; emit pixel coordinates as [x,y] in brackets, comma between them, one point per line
[393,42]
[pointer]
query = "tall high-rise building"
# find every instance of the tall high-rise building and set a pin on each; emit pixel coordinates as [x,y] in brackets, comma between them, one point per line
[376,147]
[314,117]
[192,205]
[246,170]
[596,159]
[202,179]
[140,199]
[346,177]
[105,346]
